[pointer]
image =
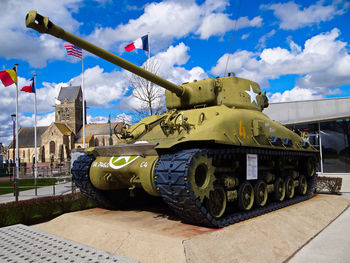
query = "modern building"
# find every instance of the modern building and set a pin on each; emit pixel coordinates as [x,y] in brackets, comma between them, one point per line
[327,122]
[55,142]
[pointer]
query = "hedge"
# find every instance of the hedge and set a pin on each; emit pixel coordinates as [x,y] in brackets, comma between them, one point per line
[42,209]
[328,184]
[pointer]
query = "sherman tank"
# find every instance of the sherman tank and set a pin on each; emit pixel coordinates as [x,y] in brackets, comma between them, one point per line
[213,157]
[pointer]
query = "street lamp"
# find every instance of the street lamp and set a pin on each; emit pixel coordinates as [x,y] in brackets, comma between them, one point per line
[14,137]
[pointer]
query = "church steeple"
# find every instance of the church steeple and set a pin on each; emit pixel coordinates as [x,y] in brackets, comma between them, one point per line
[69,108]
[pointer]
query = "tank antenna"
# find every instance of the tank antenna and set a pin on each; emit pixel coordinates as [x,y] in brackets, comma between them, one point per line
[233,34]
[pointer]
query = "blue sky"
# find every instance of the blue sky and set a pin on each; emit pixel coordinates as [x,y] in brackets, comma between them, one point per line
[295,50]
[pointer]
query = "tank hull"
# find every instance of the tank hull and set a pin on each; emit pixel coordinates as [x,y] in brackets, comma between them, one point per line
[198,162]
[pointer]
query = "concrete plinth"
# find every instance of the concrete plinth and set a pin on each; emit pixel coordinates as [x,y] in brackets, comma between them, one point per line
[154,236]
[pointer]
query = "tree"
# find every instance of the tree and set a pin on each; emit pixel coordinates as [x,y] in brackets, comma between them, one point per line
[149,95]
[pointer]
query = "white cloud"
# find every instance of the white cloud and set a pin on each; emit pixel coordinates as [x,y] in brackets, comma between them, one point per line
[262,40]
[166,21]
[19,42]
[294,16]
[295,94]
[170,62]
[245,36]
[214,24]
[170,20]
[323,64]
[102,88]
[123,118]
[96,119]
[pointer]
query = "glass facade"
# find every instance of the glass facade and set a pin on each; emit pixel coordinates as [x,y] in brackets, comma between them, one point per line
[334,138]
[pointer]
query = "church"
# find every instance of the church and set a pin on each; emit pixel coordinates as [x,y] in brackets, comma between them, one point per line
[56,142]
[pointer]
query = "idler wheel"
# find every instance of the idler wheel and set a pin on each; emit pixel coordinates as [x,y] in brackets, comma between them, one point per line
[310,167]
[216,203]
[245,196]
[290,190]
[202,176]
[279,192]
[260,193]
[302,187]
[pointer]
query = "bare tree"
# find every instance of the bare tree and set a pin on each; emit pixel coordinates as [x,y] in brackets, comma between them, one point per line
[147,93]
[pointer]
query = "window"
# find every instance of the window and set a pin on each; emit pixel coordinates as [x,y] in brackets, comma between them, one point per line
[52,147]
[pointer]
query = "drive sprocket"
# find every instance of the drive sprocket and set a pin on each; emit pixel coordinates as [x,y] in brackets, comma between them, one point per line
[201,176]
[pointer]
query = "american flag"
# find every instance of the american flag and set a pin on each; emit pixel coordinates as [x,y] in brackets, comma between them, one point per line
[73,50]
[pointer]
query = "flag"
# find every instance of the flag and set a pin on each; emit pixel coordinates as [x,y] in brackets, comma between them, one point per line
[73,50]
[8,77]
[140,43]
[30,88]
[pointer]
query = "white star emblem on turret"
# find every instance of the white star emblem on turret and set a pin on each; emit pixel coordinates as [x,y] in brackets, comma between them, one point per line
[252,95]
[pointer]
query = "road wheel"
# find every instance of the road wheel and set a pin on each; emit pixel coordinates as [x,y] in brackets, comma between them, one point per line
[245,196]
[290,190]
[260,193]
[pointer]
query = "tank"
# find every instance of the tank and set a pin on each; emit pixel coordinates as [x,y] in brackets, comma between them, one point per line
[214,157]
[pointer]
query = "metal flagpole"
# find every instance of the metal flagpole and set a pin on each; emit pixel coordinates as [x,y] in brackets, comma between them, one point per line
[83,95]
[149,56]
[149,46]
[17,139]
[35,143]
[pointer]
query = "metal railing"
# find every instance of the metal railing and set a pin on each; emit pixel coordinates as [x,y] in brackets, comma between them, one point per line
[58,175]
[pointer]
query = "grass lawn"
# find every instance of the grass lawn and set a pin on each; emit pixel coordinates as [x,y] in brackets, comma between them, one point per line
[25,184]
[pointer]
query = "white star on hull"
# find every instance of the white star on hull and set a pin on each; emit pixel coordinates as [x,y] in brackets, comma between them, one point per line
[252,95]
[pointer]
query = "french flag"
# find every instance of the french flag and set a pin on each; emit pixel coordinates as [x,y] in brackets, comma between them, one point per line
[30,88]
[140,43]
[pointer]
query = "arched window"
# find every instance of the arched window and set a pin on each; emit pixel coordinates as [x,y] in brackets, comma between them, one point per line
[52,147]
[67,114]
[96,142]
[43,154]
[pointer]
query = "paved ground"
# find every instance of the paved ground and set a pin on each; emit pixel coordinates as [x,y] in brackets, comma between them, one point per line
[333,243]
[20,243]
[150,234]
[330,243]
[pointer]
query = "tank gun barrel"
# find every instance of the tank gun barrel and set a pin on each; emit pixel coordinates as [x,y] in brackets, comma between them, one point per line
[42,24]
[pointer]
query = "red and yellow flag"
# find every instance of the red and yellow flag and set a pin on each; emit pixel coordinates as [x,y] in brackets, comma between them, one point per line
[8,77]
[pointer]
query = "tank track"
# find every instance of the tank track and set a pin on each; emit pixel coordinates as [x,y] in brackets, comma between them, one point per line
[171,169]
[110,199]
[80,176]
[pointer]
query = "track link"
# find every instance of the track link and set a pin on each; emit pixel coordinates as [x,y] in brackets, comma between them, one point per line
[170,179]
[80,176]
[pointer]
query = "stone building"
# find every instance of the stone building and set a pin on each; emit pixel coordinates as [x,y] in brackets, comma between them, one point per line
[56,142]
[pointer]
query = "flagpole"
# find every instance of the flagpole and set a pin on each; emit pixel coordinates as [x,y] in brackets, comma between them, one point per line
[83,95]
[17,139]
[35,143]
[149,62]
[149,46]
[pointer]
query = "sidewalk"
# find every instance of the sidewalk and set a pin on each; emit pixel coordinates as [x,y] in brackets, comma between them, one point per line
[333,243]
[58,189]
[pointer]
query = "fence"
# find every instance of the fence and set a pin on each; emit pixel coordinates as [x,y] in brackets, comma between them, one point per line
[59,183]
[43,171]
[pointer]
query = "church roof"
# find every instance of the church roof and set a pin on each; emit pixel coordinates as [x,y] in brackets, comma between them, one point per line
[26,136]
[95,129]
[70,93]
[62,128]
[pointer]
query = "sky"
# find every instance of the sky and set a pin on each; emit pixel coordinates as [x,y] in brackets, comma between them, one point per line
[296,50]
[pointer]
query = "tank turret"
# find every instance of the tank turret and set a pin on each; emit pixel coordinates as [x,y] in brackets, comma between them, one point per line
[230,91]
[213,157]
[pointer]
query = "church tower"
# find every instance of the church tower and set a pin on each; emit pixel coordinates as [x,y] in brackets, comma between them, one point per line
[69,108]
